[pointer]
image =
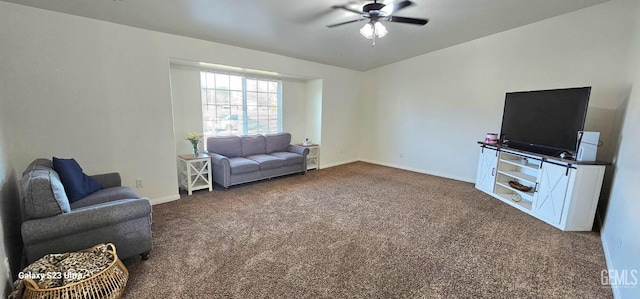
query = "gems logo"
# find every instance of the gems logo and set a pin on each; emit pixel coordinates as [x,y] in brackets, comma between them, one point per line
[619,278]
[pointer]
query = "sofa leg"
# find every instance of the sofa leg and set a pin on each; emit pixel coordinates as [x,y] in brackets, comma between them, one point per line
[226,188]
[145,255]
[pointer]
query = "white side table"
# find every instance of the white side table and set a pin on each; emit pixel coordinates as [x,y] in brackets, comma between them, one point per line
[195,172]
[313,158]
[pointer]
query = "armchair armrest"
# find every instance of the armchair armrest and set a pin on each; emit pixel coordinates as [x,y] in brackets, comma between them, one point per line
[85,219]
[108,180]
[300,150]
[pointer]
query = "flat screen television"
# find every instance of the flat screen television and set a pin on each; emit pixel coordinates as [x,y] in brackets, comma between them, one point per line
[545,121]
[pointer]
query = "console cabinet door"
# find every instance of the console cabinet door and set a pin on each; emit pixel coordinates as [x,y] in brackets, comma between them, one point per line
[553,182]
[487,164]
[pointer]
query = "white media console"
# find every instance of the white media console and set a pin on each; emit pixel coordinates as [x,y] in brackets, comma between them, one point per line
[564,193]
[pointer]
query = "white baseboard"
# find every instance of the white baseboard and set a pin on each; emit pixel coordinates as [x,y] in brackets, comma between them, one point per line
[323,166]
[453,177]
[607,259]
[607,252]
[157,201]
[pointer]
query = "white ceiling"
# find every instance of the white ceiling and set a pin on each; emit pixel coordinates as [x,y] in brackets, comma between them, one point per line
[296,28]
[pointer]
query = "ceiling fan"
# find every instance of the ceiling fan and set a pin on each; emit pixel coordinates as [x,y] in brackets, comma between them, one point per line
[376,12]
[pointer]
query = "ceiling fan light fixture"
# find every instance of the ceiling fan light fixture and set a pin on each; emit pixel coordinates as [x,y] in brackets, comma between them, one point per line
[367,31]
[377,29]
[380,30]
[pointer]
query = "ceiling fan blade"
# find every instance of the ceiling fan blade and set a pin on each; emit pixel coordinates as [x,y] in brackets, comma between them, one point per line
[344,23]
[406,20]
[396,7]
[346,8]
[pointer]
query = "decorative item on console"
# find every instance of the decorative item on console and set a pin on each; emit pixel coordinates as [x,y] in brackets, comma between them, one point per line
[306,142]
[587,145]
[491,138]
[516,185]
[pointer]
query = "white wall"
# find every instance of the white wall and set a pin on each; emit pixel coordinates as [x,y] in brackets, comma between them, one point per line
[619,233]
[294,109]
[433,108]
[99,92]
[314,111]
[187,106]
[620,236]
[91,90]
[340,138]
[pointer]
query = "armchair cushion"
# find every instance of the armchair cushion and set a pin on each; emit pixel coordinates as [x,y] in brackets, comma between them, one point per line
[104,195]
[77,185]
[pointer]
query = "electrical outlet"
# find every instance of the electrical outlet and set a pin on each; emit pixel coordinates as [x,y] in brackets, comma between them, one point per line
[139,183]
[401,155]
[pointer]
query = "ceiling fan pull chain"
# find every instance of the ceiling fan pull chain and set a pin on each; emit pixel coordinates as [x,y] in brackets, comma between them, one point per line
[373,43]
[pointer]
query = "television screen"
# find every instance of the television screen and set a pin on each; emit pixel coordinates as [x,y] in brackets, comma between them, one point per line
[545,121]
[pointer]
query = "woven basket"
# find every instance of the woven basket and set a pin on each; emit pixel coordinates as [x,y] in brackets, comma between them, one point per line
[108,283]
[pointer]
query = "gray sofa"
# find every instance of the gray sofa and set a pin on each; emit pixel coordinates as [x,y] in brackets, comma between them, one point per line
[243,159]
[51,224]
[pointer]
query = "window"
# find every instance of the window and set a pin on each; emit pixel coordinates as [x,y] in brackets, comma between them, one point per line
[237,105]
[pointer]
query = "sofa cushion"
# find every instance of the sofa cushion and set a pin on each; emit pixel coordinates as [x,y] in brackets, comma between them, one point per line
[43,194]
[242,165]
[76,184]
[253,145]
[228,146]
[289,158]
[105,195]
[267,161]
[277,142]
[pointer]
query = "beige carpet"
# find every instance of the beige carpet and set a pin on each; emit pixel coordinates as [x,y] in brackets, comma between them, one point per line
[361,231]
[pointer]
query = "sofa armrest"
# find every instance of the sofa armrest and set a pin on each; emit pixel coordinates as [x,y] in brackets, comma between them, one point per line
[108,180]
[85,219]
[300,150]
[221,169]
[219,160]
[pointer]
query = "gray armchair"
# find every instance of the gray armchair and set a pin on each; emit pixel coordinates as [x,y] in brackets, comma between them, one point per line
[113,214]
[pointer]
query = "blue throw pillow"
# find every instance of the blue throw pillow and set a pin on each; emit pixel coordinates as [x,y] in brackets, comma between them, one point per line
[76,184]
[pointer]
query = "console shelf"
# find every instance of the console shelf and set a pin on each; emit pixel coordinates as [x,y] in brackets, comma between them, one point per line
[563,193]
[524,205]
[527,165]
[519,175]
[525,195]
